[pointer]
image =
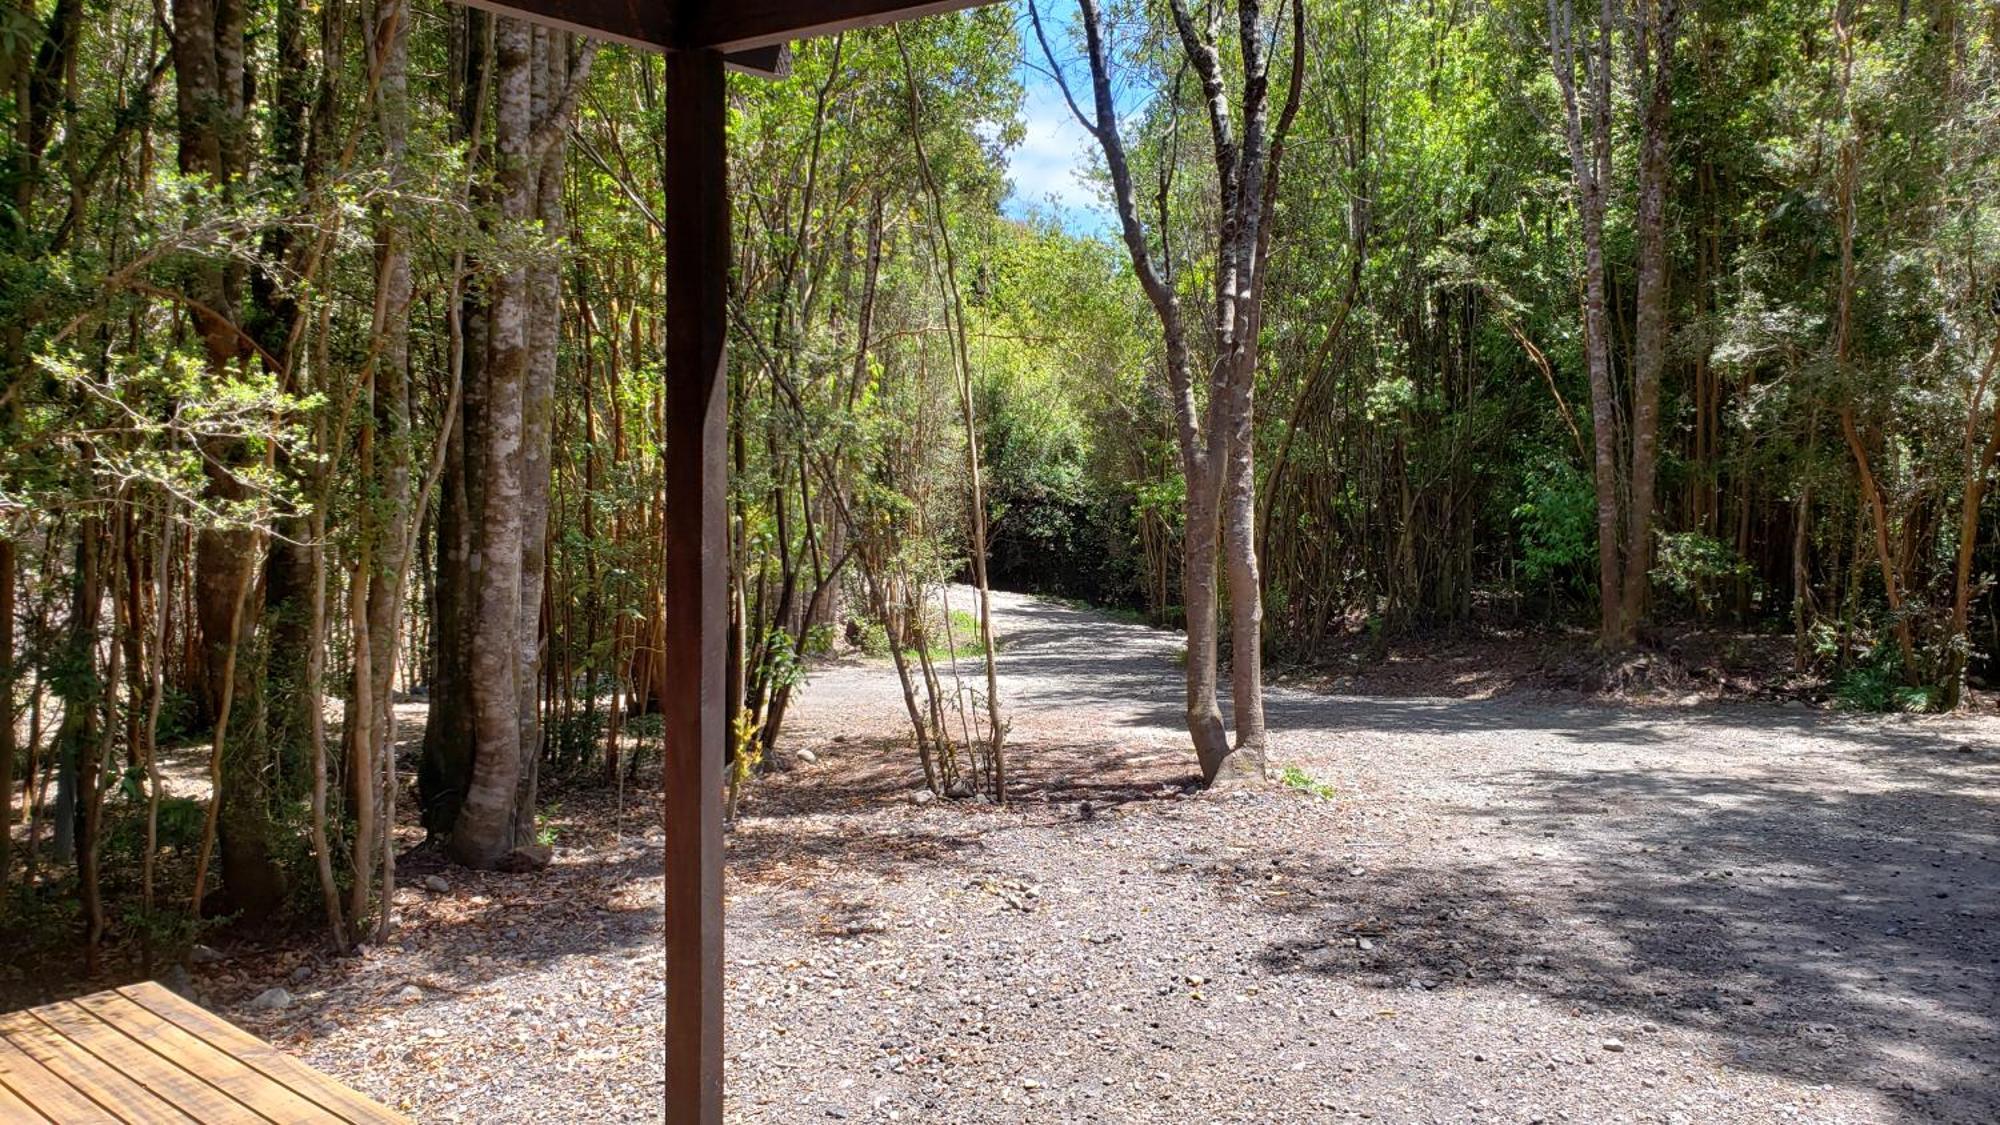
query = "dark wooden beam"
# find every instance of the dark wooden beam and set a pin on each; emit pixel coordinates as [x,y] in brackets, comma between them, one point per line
[738,25]
[764,62]
[696,597]
[643,23]
[734,27]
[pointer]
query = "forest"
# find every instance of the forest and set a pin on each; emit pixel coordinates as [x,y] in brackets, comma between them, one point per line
[333,408]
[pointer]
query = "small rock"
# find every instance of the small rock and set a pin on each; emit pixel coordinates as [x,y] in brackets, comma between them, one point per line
[303,972]
[177,981]
[408,994]
[1613,1045]
[436,885]
[271,1000]
[205,955]
[1363,944]
[807,756]
[959,789]
[922,797]
[528,857]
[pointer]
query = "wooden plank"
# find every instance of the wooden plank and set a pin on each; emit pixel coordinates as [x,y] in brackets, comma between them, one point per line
[171,1083]
[338,1100]
[737,25]
[693,582]
[12,1108]
[175,1046]
[52,1097]
[125,1099]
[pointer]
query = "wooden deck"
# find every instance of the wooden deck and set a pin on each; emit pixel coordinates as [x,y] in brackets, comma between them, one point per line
[143,1054]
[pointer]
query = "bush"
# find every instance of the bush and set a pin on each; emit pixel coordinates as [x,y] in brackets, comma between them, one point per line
[1557,522]
[1699,569]
[1875,683]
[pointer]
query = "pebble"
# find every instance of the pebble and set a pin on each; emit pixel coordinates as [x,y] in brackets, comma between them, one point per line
[1613,1045]
[436,885]
[271,1000]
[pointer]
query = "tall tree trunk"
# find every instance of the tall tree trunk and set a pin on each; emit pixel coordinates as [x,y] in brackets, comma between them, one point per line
[1658,26]
[544,317]
[445,769]
[1590,166]
[487,823]
[393,453]
[210,97]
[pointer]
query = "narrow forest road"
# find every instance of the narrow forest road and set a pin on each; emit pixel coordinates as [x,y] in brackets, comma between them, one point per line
[1509,910]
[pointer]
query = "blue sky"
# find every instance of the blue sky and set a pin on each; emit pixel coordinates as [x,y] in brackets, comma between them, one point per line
[1050,168]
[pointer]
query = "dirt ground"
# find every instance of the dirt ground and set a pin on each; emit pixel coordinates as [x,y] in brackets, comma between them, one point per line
[1507,910]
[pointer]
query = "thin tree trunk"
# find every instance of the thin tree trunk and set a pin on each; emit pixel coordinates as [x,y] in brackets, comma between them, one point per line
[315,692]
[1978,469]
[996,726]
[221,738]
[1590,165]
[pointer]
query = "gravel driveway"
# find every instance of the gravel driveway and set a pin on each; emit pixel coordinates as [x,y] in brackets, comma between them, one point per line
[1508,910]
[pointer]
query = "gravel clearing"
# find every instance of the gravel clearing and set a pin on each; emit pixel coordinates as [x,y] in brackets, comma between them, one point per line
[1507,910]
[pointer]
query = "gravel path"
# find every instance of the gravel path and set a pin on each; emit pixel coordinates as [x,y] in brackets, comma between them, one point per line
[1508,910]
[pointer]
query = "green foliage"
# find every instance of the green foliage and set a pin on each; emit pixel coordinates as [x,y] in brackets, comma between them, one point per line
[870,636]
[1295,777]
[574,738]
[180,826]
[1877,683]
[1698,569]
[1557,526]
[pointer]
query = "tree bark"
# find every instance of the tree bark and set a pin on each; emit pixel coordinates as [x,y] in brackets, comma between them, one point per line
[1590,167]
[1979,460]
[1658,26]
[445,769]
[486,825]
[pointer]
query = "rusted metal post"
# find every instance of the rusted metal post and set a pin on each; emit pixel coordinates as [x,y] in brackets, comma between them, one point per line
[691,700]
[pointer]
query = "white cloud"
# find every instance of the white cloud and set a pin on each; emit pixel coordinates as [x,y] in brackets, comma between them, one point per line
[1050,168]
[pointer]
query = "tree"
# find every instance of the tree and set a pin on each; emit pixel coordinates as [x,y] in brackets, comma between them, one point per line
[1624,474]
[1214,414]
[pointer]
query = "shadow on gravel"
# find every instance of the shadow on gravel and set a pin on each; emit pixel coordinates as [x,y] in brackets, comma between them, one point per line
[1070,657]
[869,784]
[1848,938]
